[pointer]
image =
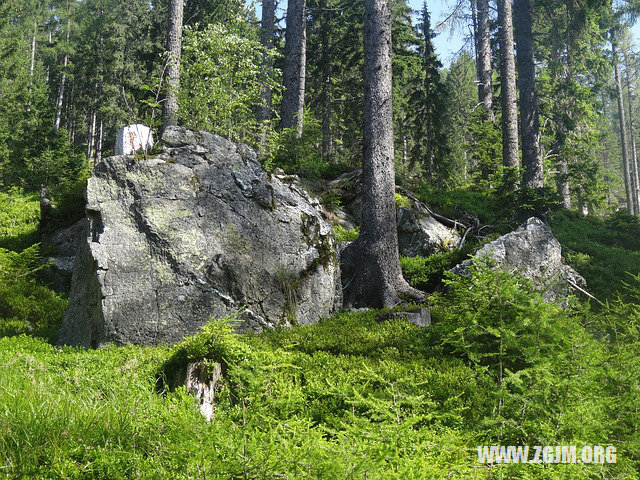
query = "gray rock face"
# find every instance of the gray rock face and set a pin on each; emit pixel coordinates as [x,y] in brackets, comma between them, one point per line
[196,232]
[419,233]
[535,253]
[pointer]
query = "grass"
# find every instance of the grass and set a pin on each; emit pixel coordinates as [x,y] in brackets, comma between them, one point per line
[605,251]
[346,398]
[19,218]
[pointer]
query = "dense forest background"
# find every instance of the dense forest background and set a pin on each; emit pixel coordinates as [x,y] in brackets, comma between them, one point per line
[72,73]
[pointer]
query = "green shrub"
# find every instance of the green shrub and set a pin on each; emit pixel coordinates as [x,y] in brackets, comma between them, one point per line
[345,235]
[427,273]
[222,81]
[601,250]
[26,305]
[19,219]
[402,201]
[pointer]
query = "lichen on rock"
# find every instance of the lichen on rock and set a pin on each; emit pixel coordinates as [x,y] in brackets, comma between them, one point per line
[198,231]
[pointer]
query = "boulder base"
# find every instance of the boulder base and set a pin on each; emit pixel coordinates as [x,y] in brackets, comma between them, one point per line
[200,231]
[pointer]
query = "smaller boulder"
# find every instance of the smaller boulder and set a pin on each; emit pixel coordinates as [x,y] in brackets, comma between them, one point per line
[421,235]
[534,253]
[419,232]
[420,317]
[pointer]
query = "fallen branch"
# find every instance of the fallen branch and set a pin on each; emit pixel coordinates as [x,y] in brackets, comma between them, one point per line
[584,292]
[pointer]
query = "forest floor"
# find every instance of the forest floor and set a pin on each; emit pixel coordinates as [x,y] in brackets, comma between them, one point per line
[347,398]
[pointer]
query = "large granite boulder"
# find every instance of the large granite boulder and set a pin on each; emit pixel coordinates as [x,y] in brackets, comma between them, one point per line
[199,231]
[534,253]
[419,232]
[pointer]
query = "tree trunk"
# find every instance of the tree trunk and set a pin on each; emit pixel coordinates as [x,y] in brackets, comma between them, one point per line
[476,39]
[295,57]
[485,91]
[174,49]
[635,181]
[623,131]
[33,50]
[377,279]
[508,87]
[267,40]
[91,138]
[563,183]
[63,79]
[325,96]
[533,175]
[99,142]
[32,66]
[46,76]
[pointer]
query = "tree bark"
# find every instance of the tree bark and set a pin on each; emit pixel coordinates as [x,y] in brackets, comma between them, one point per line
[32,66]
[533,175]
[295,57]
[99,142]
[91,137]
[483,54]
[174,49]
[508,87]
[33,50]
[623,130]
[377,280]
[267,39]
[563,183]
[325,96]
[63,79]
[635,181]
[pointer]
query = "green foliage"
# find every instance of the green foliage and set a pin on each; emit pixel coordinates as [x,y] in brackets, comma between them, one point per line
[600,250]
[499,319]
[532,350]
[345,235]
[402,201]
[461,202]
[525,202]
[216,342]
[486,149]
[26,305]
[348,397]
[222,81]
[427,273]
[19,218]
[299,155]
[426,108]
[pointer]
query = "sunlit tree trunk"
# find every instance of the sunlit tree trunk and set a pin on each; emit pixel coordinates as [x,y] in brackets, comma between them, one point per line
[533,175]
[508,87]
[485,91]
[295,58]
[631,206]
[377,280]
[267,40]
[325,96]
[635,181]
[174,48]
[63,79]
